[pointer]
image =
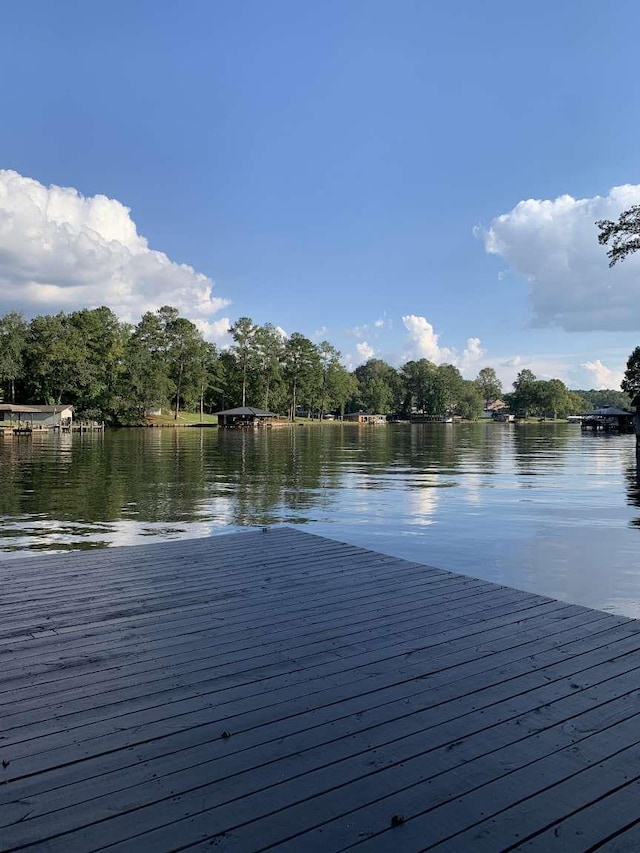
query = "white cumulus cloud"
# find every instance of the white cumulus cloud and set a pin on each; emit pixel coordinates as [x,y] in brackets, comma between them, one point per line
[516,361]
[61,251]
[216,331]
[365,351]
[600,375]
[471,354]
[553,243]
[423,342]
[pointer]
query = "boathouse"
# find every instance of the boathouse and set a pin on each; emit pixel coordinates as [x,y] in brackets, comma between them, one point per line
[244,417]
[36,416]
[608,419]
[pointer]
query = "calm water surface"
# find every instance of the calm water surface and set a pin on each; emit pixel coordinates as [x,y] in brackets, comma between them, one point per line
[540,507]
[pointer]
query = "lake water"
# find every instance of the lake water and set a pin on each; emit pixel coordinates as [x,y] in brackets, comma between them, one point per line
[540,507]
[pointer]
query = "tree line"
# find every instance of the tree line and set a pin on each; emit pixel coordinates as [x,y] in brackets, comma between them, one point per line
[118,371]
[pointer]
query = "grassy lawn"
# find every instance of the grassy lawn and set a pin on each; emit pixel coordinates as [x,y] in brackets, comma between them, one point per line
[190,418]
[184,419]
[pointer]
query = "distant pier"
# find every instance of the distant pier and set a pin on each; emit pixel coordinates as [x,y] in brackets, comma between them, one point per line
[281,691]
[28,429]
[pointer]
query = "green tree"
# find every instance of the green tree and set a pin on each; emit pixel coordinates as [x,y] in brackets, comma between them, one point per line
[243,333]
[376,396]
[623,235]
[209,377]
[470,400]
[145,379]
[580,404]
[185,361]
[230,381]
[425,388]
[452,383]
[103,342]
[302,371]
[378,381]
[631,382]
[269,350]
[551,397]
[344,387]
[488,385]
[13,339]
[57,362]
[523,399]
[329,364]
[594,398]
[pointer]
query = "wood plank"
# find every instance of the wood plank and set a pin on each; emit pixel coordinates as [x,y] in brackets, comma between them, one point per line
[168,678]
[193,710]
[625,841]
[445,715]
[254,614]
[273,772]
[209,567]
[557,815]
[296,712]
[333,788]
[246,713]
[68,617]
[273,591]
[152,652]
[355,686]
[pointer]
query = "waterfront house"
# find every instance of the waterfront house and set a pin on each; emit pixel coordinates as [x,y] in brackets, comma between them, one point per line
[495,408]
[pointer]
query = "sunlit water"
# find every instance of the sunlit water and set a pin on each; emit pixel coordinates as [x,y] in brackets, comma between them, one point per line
[539,507]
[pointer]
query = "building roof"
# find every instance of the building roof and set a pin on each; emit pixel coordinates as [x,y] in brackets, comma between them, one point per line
[34,410]
[609,410]
[247,410]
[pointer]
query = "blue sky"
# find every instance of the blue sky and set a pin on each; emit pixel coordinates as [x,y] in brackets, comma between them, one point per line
[358,171]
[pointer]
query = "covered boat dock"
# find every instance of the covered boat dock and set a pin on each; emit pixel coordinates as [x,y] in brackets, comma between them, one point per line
[244,417]
[609,419]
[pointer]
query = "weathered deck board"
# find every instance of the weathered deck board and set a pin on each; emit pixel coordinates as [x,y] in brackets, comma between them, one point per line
[195,621]
[355,687]
[176,680]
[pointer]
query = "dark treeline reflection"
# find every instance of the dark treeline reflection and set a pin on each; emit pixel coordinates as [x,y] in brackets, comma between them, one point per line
[632,475]
[542,507]
[185,475]
[538,449]
[59,491]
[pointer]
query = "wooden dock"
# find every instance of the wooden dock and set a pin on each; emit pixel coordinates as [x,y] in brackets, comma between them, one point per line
[281,691]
